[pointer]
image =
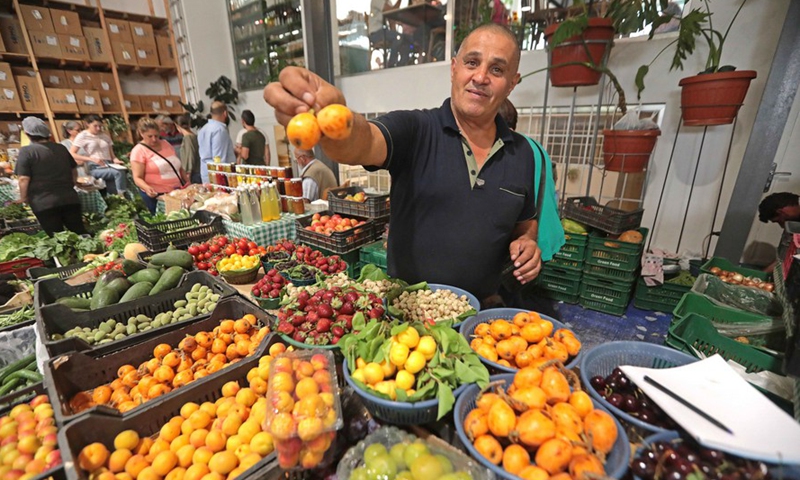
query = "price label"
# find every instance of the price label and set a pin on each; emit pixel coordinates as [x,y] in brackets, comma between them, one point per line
[55,80]
[139,31]
[126,55]
[88,100]
[36,14]
[64,20]
[169,103]
[75,41]
[9,93]
[77,79]
[106,101]
[142,53]
[71,98]
[105,86]
[156,106]
[127,104]
[114,28]
[52,40]
[2,76]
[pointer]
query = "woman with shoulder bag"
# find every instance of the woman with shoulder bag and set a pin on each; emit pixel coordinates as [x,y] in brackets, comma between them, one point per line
[156,167]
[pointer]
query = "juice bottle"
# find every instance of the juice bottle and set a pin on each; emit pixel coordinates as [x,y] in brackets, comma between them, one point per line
[275,201]
[266,207]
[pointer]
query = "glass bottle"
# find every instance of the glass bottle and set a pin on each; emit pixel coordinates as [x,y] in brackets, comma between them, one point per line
[274,201]
[255,204]
[266,209]
[244,206]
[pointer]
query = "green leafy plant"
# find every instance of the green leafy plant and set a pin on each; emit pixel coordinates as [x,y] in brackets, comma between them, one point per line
[117,126]
[67,247]
[697,23]
[222,90]
[197,116]
[279,62]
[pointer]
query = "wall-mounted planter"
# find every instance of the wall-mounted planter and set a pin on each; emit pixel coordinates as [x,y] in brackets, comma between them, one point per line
[628,151]
[714,98]
[595,40]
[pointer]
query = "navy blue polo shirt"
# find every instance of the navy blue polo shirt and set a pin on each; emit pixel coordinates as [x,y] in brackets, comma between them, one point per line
[450,223]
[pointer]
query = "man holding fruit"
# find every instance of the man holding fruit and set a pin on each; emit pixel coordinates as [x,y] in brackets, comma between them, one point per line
[462,194]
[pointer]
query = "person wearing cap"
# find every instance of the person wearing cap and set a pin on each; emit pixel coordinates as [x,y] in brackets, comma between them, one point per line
[47,177]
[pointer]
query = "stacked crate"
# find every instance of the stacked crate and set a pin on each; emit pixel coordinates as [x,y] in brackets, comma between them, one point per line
[560,278]
[609,273]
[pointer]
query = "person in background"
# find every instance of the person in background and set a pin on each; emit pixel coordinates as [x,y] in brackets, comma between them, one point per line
[317,177]
[674,12]
[253,144]
[780,208]
[190,153]
[100,155]
[156,167]
[214,141]
[462,194]
[169,132]
[70,130]
[382,36]
[47,178]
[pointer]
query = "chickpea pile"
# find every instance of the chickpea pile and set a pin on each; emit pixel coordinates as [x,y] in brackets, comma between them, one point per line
[436,305]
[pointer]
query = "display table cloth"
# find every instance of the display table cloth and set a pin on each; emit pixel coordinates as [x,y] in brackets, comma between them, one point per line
[91,202]
[265,233]
[161,207]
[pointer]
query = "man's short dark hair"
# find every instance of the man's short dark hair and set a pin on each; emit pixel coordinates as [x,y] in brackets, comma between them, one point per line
[248,118]
[92,118]
[509,114]
[37,138]
[183,121]
[768,208]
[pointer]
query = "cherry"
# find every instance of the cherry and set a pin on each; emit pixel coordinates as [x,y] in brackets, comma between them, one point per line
[616,400]
[598,383]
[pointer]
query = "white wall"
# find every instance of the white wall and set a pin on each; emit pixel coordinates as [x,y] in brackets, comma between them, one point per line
[751,45]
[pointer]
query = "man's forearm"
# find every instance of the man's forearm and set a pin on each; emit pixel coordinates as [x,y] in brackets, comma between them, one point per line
[23,189]
[365,145]
[528,228]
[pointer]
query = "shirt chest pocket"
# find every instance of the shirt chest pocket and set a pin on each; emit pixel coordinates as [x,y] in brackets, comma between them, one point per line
[510,200]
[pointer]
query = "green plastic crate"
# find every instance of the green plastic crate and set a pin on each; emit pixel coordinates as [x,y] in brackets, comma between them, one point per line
[560,280]
[608,273]
[602,306]
[374,253]
[698,332]
[573,265]
[665,293]
[605,252]
[610,292]
[350,257]
[574,248]
[561,297]
[652,305]
[724,264]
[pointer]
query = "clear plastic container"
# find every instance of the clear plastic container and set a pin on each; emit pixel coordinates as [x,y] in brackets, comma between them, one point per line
[389,437]
[305,409]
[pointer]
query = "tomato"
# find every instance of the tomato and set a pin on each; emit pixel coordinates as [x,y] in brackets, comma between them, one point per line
[230,250]
[194,250]
[203,247]
[242,243]
[241,251]
[252,251]
[214,248]
[222,241]
[202,266]
[207,255]
[252,245]
[262,250]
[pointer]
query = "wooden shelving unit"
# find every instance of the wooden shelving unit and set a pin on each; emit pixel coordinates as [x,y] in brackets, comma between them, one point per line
[97,17]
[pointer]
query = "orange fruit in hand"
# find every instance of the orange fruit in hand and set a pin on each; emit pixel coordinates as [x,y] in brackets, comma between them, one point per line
[335,121]
[303,131]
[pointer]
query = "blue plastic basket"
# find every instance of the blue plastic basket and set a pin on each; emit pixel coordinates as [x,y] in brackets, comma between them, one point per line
[603,359]
[473,300]
[399,413]
[785,472]
[616,462]
[468,326]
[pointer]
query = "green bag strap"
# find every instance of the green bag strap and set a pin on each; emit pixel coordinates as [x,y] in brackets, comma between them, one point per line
[539,168]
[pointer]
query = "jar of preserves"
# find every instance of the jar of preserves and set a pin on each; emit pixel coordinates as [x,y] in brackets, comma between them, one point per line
[298,205]
[281,185]
[294,187]
[285,204]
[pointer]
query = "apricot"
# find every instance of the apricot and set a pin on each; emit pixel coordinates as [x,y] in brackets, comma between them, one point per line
[303,131]
[335,121]
[515,458]
[93,456]
[127,439]
[490,448]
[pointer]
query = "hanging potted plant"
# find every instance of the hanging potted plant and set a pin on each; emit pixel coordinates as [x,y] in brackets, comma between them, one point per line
[714,96]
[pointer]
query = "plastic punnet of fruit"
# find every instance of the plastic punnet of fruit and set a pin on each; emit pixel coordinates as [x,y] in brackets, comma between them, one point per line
[419,302]
[238,262]
[221,437]
[28,444]
[393,453]
[304,408]
[411,362]
[541,425]
[525,340]
[173,366]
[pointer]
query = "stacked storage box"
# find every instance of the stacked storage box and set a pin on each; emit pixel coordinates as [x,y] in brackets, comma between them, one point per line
[561,277]
[661,298]
[610,272]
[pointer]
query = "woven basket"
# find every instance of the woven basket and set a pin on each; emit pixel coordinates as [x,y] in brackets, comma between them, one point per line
[241,277]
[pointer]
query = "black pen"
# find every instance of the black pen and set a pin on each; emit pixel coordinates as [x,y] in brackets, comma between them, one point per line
[688,405]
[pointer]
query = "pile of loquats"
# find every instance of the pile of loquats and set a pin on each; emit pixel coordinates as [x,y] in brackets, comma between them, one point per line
[28,444]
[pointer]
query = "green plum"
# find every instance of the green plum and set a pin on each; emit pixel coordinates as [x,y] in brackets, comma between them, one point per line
[404,475]
[359,473]
[397,452]
[447,465]
[382,467]
[413,451]
[427,467]
[454,476]
[374,450]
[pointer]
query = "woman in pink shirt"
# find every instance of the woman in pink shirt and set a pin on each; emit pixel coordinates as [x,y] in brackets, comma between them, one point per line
[156,167]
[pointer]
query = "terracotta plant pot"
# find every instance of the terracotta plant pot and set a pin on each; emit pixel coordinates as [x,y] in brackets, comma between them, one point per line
[597,37]
[714,98]
[628,151]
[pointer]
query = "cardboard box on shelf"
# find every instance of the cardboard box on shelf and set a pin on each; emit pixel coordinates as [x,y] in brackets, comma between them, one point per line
[119,31]
[45,44]
[110,102]
[89,101]
[9,99]
[37,18]
[66,22]
[166,54]
[78,80]
[29,93]
[104,82]
[132,103]
[124,53]
[62,100]
[151,103]
[73,47]
[142,33]
[54,78]
[172,104]
[6,76]
[11,31]
[96,43]
[2,45]
[146,55]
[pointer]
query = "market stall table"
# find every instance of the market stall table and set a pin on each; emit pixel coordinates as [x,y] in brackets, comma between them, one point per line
[91,200]
[264,233]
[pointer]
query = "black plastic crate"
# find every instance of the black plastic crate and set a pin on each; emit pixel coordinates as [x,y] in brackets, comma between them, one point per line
[587,211]
[376,205]
[16,325]
[36,273]
[77,372]
[29,222]
[337,242]
[149,419]
[57,318]
[155,238]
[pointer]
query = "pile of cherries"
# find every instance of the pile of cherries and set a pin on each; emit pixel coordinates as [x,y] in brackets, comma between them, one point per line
[684,459]
[623,394]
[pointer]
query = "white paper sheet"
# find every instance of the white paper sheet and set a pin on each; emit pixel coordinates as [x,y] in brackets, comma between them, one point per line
[761,430]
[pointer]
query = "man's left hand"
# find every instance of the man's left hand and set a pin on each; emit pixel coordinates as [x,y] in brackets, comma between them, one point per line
[527,258]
